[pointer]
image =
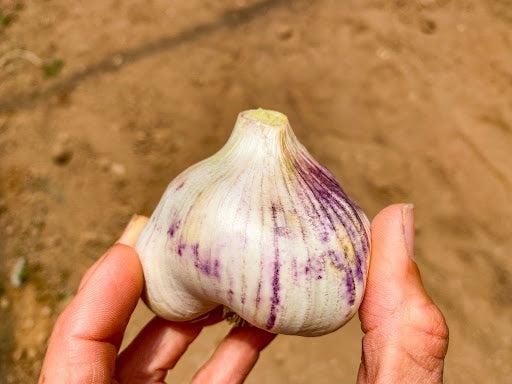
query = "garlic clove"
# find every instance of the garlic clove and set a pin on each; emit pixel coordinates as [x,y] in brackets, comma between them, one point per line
[261,228]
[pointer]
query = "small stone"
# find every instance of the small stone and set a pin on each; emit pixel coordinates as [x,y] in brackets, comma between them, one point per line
[4,303]
[18,354]
[118,60]
[19,272]
[61,154]
[31,353]
[46,311]
[118,170]
[382,53]
[284,32]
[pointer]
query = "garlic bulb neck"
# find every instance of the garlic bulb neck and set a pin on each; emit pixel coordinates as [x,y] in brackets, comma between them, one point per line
[261,228]
[259,133]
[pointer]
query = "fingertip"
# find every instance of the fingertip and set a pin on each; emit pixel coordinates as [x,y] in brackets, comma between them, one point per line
[122,265]
[133,230]
[388,237]
[122,254]
[393,273]
[391,215]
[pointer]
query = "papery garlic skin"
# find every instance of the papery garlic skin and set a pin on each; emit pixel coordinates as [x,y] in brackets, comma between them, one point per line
[259,227]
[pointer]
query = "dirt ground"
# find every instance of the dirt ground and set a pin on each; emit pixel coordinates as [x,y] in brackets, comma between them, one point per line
[102,103]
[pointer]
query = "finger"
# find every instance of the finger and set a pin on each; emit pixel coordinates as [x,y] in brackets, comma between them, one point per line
[393,276]
[234,357]
[158,347]
[84,342]
[129,237]
[405,333]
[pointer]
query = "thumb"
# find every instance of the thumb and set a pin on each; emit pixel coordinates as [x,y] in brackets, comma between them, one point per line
[406,336]
[393,277]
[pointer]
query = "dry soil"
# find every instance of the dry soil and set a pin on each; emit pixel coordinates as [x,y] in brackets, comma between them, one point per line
[103,102]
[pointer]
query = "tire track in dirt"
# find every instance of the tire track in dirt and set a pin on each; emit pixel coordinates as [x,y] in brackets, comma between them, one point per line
[231,19]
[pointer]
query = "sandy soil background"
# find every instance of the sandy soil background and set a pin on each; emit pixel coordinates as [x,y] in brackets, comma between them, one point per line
[102,103]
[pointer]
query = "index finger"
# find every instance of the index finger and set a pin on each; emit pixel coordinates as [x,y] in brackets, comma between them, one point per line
[86,337]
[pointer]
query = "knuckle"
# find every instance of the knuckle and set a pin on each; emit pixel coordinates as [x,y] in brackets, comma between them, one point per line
[429,319]
[430,327]
[436,322]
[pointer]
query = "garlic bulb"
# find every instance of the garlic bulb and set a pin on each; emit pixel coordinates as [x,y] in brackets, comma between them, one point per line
[261,228]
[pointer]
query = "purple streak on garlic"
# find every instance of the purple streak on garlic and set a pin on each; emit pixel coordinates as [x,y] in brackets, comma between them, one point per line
[259,227]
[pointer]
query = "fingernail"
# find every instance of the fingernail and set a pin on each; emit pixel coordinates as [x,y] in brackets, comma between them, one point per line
[132,231]
[408,228]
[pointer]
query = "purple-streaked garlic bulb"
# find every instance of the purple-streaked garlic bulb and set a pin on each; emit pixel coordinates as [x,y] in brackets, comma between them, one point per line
[261,228]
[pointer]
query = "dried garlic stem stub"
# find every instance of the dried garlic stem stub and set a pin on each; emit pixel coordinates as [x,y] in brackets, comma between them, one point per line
[261,228]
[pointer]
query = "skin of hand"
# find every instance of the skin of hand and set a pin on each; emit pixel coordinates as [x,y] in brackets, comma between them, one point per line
[405,334]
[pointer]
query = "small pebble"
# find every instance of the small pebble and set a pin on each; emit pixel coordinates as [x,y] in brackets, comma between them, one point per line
[117,60]
[19,272]
[118,170]
[46,311]
[4,303]
[284,32]
[382,54]
[31,353]
[61,154]
[18,354]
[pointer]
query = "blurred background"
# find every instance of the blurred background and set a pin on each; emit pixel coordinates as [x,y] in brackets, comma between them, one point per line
[103,102]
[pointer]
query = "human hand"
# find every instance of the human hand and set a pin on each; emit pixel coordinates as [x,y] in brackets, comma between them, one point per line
[406,337]
[85,341]
[405,333]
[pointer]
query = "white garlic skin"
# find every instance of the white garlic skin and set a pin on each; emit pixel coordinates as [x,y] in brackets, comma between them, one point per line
[259,227]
